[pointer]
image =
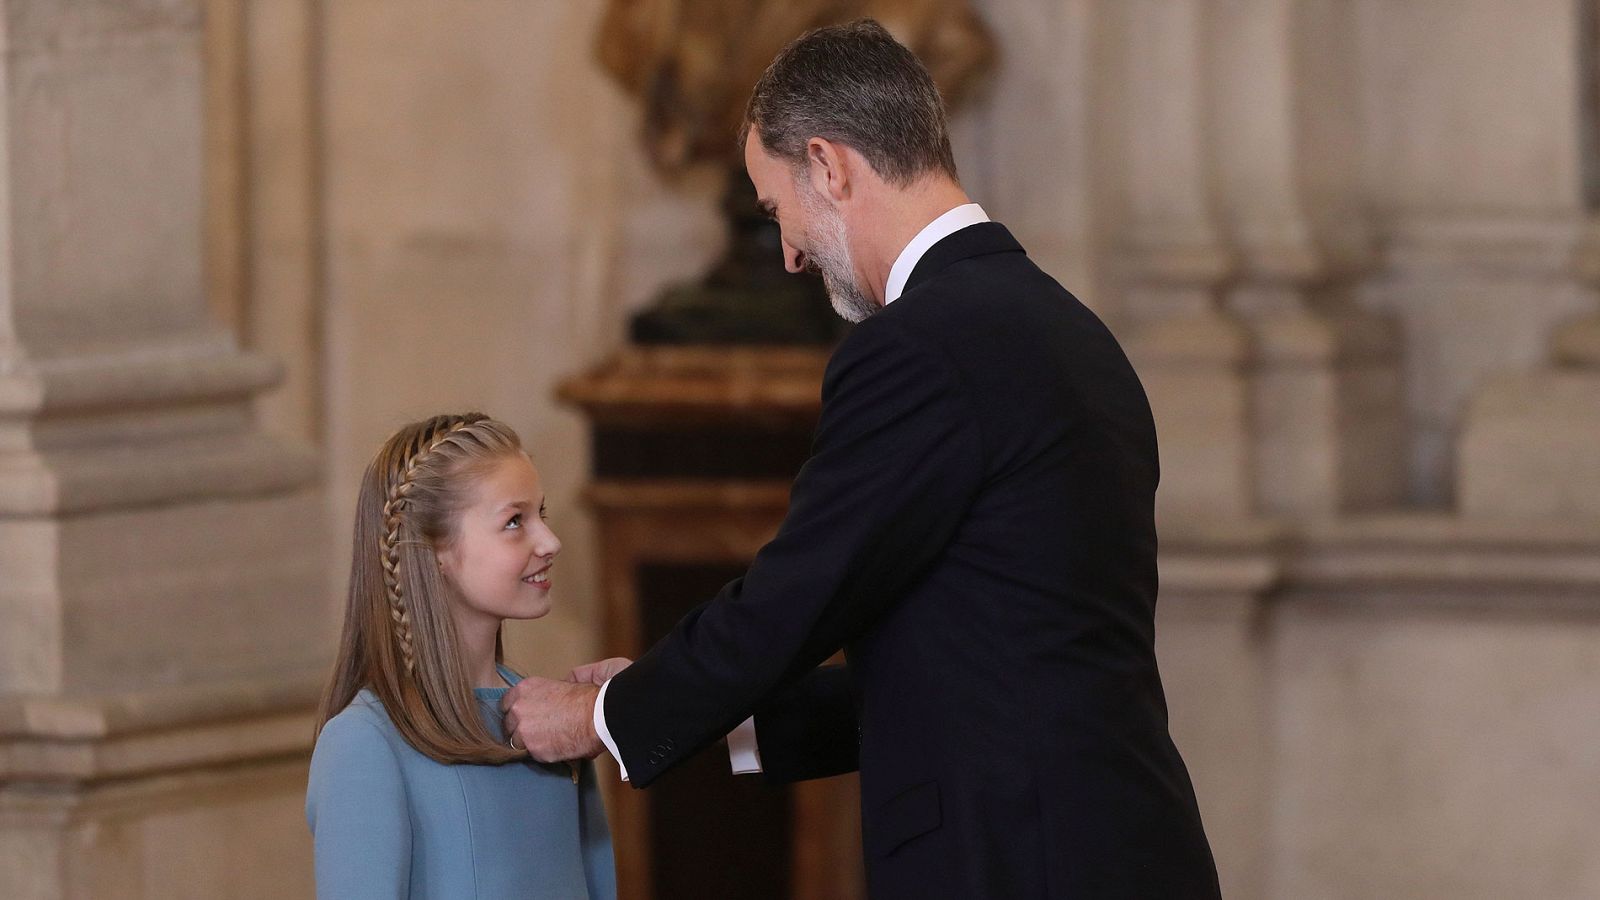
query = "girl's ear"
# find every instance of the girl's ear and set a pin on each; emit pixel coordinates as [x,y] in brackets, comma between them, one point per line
[448,564]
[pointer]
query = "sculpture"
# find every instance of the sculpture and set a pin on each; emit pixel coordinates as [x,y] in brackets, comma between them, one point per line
[692,64]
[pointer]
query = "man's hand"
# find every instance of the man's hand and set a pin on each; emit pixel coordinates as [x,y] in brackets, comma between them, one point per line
[599,672]
[553,720]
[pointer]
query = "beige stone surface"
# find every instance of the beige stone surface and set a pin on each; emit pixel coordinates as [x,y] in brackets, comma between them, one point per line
[154,540]
[1435,755]
[1192,367]
[1213,656]
[1531,446]
[1328,424]
[1444,124]
[201,835]
[1047,64]
[1473,298]
[1393,706]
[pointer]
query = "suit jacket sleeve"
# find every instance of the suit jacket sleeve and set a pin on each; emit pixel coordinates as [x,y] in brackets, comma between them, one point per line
[895,464]
[809,729]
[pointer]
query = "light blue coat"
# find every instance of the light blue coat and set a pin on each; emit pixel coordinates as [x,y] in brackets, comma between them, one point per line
[388,822]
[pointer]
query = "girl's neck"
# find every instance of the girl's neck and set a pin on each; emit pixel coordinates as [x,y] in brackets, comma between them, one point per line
[478,640]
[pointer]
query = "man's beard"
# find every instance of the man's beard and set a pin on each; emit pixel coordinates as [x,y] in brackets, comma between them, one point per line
[828,253]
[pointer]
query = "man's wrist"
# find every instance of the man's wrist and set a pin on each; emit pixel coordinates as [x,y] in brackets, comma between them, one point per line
[591,695]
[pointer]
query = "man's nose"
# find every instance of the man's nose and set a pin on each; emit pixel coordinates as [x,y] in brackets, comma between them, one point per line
[793,260]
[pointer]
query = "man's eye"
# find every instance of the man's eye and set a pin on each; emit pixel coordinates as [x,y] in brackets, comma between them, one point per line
[544,513]
[516,521]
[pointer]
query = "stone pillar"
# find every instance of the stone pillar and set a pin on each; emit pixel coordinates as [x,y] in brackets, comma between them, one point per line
[1327,420]
[1040,180]
[1173,263]
[164,624]
[1530,443]
[1530,447]
[1473,174]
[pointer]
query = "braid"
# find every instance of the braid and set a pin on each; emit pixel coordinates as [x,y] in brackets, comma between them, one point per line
[389,544]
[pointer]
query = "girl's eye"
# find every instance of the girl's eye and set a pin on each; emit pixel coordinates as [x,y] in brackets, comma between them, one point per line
[516,521]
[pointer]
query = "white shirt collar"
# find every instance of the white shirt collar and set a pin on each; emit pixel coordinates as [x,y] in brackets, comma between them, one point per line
[935,231]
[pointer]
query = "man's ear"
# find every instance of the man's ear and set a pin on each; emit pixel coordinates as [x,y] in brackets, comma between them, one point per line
[829,168]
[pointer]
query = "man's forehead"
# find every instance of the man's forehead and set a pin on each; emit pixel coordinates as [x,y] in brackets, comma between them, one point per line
[761,179]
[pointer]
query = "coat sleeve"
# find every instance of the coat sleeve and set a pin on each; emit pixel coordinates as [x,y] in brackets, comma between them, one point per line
[809,729]
[895,465]
[359,817]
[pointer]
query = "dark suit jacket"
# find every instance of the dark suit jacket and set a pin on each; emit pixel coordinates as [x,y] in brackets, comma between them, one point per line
[975,528]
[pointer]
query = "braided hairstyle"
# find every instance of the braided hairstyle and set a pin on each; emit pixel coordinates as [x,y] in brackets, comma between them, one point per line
[394,505]
[399,638]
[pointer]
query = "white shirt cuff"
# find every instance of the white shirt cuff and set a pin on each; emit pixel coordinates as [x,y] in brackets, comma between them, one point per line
[743,754]
[605,733]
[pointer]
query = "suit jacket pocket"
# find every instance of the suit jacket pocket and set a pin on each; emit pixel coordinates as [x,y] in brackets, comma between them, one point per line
[911,813]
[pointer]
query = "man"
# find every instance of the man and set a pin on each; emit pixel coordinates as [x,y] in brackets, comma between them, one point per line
[974,527]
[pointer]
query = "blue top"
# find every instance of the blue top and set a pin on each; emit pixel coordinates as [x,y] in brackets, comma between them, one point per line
[389,822]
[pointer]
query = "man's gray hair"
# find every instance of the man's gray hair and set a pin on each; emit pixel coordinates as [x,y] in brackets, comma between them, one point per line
[855,85]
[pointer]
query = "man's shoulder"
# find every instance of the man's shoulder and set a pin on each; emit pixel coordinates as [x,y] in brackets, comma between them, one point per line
[972,306]
[1001,274]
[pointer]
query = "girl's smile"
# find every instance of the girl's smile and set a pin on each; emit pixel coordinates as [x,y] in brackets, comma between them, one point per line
[540,579]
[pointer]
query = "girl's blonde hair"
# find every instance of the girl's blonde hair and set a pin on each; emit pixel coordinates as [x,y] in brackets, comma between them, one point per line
[399,639]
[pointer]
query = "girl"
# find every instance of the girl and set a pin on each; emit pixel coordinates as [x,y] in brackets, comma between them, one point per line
[414,791]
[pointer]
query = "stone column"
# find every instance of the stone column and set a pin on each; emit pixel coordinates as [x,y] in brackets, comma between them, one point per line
[1530,443]
[163,620]
[1530,447]
[1173,263]
[1327,419]
[1473,173]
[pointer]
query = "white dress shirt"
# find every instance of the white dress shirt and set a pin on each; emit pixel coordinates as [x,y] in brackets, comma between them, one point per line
[743,754]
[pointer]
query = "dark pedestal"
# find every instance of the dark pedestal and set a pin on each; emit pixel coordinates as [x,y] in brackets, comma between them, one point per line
[694,452]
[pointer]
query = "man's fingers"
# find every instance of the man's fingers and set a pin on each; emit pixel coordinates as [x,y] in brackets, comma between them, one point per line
[600,672]
[551,719]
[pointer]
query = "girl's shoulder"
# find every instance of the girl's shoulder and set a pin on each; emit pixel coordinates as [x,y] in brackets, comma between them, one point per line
[355,764]
[361,732]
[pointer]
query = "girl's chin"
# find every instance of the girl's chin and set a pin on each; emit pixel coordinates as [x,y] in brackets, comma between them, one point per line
[527,610]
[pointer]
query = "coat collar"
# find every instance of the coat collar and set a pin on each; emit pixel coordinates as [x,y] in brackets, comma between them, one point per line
[981,239]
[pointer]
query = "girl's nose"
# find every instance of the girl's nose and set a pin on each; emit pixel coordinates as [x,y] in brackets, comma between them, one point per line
[548,544]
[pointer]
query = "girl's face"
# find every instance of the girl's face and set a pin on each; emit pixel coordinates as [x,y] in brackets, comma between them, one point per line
[500,558]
